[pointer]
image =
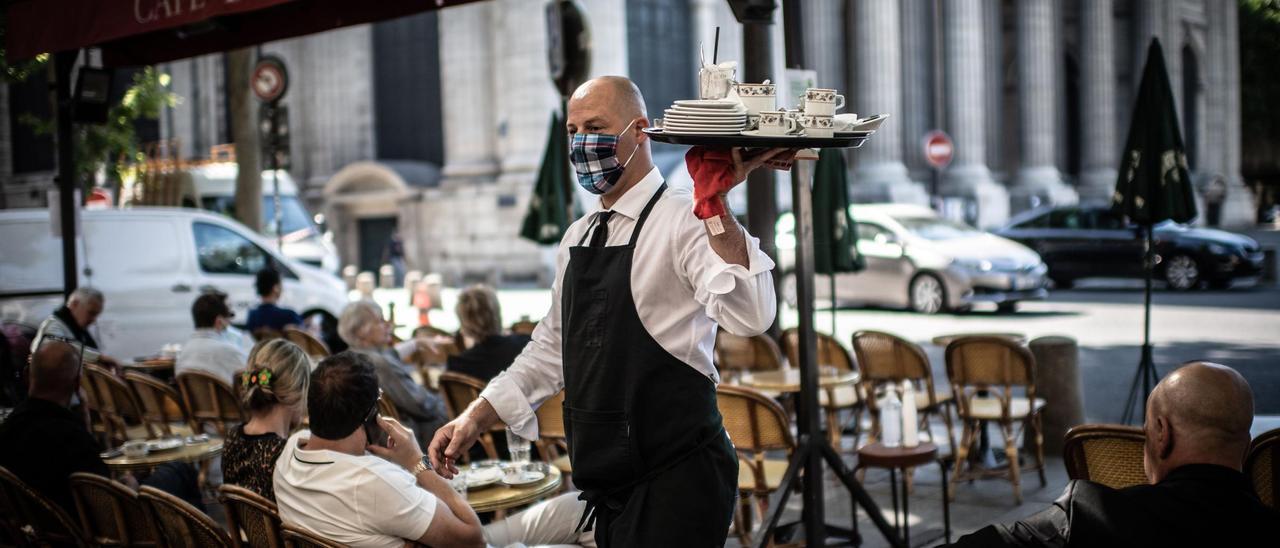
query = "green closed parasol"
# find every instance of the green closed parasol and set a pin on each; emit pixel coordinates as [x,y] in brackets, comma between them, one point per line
[835,245]
[548,216]
[1152,186]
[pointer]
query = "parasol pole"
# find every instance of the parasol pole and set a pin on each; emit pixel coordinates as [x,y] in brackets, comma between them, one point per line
[1146,374]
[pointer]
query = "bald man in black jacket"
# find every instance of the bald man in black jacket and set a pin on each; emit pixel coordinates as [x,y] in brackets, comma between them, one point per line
[1197,433]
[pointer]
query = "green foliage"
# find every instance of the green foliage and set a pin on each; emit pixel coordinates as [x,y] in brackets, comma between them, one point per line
[1259,65]
[113,147]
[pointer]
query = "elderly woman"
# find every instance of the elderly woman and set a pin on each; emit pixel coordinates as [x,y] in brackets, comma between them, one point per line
[361,326]
[489,352]
[274,392]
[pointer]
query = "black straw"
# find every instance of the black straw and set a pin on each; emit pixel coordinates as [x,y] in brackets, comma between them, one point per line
[715,49]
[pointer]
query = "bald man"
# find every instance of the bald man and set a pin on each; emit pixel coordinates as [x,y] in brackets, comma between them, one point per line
[1197,433]
[43,442]
[641,287]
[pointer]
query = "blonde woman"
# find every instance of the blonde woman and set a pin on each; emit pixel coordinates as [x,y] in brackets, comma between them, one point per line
[274,392]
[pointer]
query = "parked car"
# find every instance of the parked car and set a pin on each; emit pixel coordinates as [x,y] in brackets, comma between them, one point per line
[916,260]
[151,263]
[1089,241]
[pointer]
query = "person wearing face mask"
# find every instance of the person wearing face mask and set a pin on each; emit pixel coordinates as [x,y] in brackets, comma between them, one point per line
[209,349]
[641,287]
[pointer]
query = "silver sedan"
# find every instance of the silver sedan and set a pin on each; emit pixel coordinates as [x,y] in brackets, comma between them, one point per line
[916,260]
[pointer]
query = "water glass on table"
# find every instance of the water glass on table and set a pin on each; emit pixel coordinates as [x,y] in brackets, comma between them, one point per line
[459,483]
[518,447]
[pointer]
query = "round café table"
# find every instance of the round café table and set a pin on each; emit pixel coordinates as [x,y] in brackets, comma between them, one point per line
[788,380]
[501,497]
[194,453]
[876,455]
[160,367]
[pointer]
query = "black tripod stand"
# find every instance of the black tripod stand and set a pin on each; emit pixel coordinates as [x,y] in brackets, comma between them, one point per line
[813,448]
[1146,373]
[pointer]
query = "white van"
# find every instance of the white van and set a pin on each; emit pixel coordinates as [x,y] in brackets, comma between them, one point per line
[151,263]
[214,185]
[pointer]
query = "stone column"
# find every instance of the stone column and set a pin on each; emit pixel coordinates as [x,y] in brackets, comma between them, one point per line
[1038,180]
[1239,209]
[968,176]
[880,175]
[993,49]
[466,86]
[1100,148]
[917,116]
[824,26]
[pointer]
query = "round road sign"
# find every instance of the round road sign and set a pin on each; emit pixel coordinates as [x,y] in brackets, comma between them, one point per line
[938,149]
[270,79]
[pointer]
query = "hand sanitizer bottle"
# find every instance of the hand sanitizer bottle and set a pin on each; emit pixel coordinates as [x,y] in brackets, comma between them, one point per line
[891,418]
[910,424]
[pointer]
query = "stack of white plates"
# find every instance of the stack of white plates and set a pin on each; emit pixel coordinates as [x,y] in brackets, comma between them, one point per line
[702,117]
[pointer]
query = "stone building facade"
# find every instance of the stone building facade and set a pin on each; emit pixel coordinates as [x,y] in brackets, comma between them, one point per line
[436,125]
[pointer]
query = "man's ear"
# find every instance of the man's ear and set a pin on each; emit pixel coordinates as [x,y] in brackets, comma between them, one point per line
[1164,437]
[640,124]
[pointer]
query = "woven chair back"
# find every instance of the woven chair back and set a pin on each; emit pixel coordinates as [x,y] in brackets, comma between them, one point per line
[1110,454]
[758,353]
[1262,466]
[297,537]
[311,346]
[251,517]
[161,404]
[179,523]
[110,512]
[210,401]
[830,351]
[32,518]
[754,421]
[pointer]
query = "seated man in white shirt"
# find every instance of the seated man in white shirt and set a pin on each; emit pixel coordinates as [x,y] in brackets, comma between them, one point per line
[210,349]
[333,482]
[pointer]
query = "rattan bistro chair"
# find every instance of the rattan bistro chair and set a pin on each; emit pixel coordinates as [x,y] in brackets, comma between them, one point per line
[297,537]
[758,353]
[552,441]
[994,365]
[1110,454]
[252,520]
[162,409]
[832,399]
[756,424]
[1262,465]
[32,519]
[210,401]
[886,358]
[118,406]
[311,346]
[459,391]
[110,512]
[179,523]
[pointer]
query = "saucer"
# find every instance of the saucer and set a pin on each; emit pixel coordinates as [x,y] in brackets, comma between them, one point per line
[708,103]
[758,133]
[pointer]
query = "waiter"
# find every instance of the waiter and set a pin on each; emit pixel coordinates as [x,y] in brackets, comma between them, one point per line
[641,285]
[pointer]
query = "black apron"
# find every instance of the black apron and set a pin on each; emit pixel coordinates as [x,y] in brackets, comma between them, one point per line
[646,441]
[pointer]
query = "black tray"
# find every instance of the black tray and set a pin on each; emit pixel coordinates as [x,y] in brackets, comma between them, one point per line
[840,140]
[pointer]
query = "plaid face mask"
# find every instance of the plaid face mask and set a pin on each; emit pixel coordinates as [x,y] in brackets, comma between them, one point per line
[595,159]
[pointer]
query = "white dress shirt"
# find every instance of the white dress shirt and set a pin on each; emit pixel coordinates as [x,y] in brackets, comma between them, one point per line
[681,287]
[210,351]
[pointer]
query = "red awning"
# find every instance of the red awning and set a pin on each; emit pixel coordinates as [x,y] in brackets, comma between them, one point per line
[139,32]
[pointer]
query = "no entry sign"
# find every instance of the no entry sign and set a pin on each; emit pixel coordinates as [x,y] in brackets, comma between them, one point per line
[270,79]
[938,149]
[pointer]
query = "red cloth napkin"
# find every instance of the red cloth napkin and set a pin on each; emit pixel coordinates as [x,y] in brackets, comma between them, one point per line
[712,172]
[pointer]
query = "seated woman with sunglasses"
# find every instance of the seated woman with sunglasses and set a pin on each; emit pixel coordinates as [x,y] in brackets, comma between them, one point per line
[274,391]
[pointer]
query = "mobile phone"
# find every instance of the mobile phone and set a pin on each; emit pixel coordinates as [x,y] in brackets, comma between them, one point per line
[374,432]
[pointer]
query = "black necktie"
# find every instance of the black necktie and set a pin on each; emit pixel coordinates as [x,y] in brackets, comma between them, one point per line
[601,235]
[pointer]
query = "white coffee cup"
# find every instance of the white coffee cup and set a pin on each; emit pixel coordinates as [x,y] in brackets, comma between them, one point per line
[776,122]
[817,125]
[822,101]
[757,97]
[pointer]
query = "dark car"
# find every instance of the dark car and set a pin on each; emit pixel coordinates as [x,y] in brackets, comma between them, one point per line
[1089,241]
